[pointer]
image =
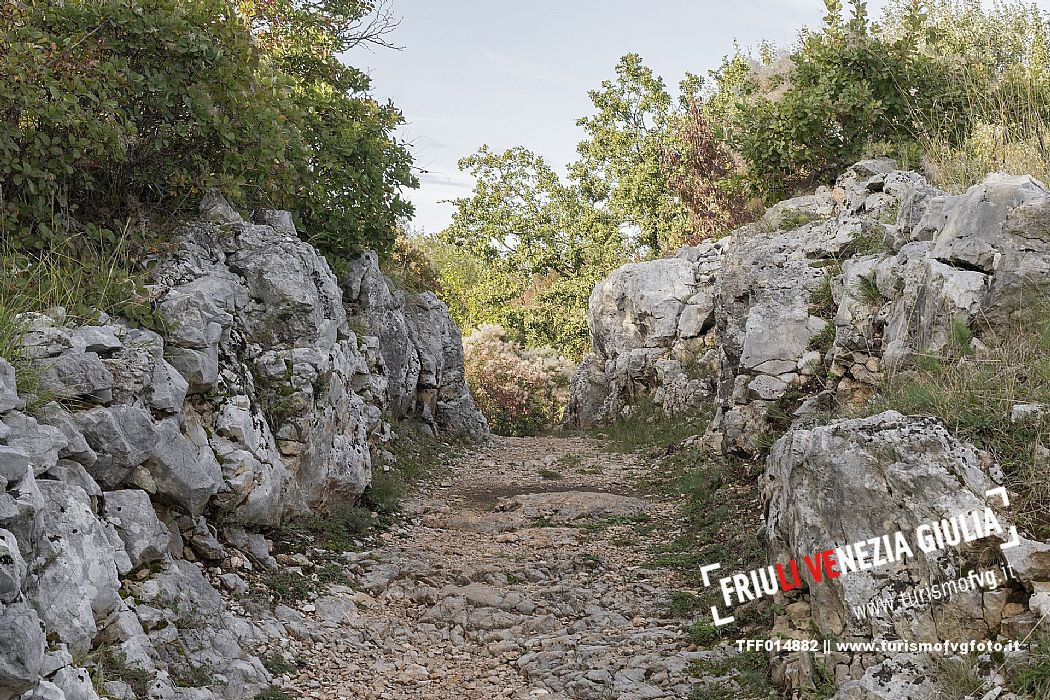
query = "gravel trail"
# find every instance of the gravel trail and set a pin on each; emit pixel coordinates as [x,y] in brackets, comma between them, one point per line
[518,574]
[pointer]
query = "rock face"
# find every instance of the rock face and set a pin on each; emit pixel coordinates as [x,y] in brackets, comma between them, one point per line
[813,301]
[802,313]
[414,350]
[261,398]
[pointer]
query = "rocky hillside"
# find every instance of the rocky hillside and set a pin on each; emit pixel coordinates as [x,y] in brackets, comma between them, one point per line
[138,466]
[786,326]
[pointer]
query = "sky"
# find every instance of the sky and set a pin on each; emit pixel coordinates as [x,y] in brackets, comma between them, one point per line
[516,73]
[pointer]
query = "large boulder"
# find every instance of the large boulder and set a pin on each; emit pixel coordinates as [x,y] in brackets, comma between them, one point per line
[144,536]
[122,438]
[76,374]
[853,480]
[179,470]
[414,347]
[639,305]
[75,587]
[21,650]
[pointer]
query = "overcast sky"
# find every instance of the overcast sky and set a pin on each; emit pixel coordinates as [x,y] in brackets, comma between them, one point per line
[508,73]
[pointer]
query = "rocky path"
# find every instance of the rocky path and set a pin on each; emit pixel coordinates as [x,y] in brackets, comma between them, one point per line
[520,575]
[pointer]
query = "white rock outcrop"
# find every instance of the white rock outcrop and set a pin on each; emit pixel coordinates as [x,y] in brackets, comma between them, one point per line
[260,395]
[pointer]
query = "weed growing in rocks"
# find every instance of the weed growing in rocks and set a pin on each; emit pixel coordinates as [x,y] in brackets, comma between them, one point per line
[749,670]
[648,428]
[719,519]
[868,291]
[570,460]
[976,396]
[109,664]
[314,545]
[957,678]
[277,665]
[1031,678]
[867,242]
[273,694]
[821,300]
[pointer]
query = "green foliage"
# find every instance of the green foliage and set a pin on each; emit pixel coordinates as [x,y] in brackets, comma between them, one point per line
[528,251]
[102,122]
[110,664]
[54,278]
[278,665]
[868,291]
[273,693]
[867,242]
[647,428]
[621,161]
[958,677]
[822,300]
[682,604]
[527,248]
[955,87]
[336,530]
[410,267]
[750,674]
[417,455]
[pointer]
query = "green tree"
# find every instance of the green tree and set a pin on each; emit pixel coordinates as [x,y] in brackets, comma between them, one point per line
[621,161]
[353,170]
[530,249]
[121,110]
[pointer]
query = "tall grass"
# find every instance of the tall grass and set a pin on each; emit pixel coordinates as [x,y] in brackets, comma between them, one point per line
[997,59]
[974,395]
[1008,132]
[84,278]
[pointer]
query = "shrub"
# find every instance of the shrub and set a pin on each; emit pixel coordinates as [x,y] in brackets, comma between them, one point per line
[520,391]
[953,87]
[1031,677]
[410,267]
[702,172]
[113,110]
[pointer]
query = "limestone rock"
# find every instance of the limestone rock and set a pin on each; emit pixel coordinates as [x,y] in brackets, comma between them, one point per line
[180,471]
[122,437]
[895,473]
[75,683]
[77,447]
[639,305]
[96,339]
[12,568]
[8,387]
[131,513]
[21,650]
[41,442]
[77,374]
[78,589]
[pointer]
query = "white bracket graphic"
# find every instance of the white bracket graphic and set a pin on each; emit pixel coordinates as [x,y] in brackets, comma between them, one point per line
[705,570]
[704,574]
[1000,491]
[1015,539]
